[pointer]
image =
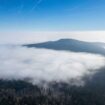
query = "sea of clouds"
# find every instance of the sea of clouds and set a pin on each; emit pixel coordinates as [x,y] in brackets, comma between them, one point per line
[37,65]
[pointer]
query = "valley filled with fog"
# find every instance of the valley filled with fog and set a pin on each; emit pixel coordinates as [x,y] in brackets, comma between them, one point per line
[38,65]
[65,71]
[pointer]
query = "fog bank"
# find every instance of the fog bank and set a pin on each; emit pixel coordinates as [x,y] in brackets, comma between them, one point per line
[37,65]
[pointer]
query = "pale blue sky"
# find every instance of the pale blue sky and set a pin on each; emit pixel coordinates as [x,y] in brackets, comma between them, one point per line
[52,15]
[21,19]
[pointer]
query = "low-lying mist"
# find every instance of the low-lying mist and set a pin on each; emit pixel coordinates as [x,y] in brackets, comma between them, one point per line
[43,65]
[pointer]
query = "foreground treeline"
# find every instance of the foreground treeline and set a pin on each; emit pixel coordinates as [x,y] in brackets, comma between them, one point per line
[23,93]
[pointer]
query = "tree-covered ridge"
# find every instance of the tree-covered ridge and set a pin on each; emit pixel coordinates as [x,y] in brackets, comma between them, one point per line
[71,45]
[23,93]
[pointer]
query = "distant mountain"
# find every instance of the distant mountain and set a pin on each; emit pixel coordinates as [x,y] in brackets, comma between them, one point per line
[72,45]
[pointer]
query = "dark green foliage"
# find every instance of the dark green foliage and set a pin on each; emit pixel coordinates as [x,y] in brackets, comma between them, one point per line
[24,93]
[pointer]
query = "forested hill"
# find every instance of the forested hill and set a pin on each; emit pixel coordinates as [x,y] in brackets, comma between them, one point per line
[72,45]
[24,93]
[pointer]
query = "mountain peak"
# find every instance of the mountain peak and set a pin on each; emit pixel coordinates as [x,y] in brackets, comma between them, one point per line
[67,40]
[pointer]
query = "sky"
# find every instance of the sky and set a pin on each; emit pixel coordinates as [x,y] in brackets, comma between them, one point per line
[24,16]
